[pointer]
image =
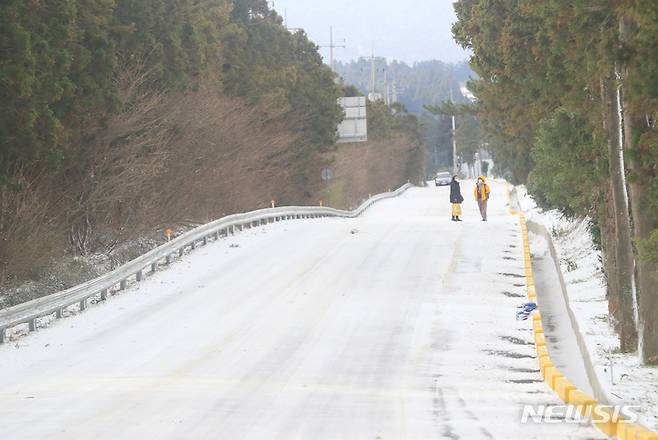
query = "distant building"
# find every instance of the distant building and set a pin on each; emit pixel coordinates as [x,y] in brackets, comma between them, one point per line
[466,92]
[354,127]
[394,92]
[372,97]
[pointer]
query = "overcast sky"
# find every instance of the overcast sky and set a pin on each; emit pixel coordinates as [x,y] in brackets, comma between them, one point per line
[405,30]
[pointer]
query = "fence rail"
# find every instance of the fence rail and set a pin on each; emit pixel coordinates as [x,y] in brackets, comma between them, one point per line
[56,303]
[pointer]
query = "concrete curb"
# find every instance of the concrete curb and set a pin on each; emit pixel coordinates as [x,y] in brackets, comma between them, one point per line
[601,415]
[599,394]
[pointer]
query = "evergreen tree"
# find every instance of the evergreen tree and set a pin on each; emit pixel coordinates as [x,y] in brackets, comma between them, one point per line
[547,96]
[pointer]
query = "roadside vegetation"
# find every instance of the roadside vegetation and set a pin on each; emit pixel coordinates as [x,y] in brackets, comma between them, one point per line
[123,118]
[568,97]
[419,88]
[394,154]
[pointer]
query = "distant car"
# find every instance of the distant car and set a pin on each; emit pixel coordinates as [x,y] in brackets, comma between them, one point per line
[442,179]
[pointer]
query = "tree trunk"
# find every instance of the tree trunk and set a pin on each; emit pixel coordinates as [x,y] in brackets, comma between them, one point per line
[624,246]
[606,219]
[643,223]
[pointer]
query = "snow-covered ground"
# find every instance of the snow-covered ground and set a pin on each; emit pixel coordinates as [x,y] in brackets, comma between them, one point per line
[627,382]
[396,325]
[561,336]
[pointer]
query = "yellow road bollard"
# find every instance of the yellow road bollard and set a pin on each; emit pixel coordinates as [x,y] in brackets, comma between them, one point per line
[540,339]
[544,363]
[645,434]
[628,431]
[550,374]
[583,402]
[546,368]
[563,387]
[542,351]
[605,420]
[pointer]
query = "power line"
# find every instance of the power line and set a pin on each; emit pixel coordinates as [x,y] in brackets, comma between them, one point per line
[333,46]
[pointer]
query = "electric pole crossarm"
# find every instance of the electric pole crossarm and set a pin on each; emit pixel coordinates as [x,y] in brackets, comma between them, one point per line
[332,46]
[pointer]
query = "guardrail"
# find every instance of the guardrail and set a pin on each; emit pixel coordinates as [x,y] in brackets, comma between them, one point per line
[29,312]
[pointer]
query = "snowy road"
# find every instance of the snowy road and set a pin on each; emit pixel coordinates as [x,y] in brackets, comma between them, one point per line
[396,325]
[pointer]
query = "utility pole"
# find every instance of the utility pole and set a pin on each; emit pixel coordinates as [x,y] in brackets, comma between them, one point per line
[285,23]
[454,138]
[373,75]
[333,46]
[372,83]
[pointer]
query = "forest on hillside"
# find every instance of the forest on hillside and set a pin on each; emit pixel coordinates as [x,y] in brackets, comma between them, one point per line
[121,118]
[568,96]
[416,87]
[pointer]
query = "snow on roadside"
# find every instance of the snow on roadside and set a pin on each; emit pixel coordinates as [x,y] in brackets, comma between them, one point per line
[627,382]
[70,270]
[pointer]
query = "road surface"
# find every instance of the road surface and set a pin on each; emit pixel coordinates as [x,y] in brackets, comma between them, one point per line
[396,325]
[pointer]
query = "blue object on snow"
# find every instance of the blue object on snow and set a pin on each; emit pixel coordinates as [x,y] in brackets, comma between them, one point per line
[525,311]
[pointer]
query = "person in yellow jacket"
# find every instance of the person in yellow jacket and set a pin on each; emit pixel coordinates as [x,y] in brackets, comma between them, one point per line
[481,192]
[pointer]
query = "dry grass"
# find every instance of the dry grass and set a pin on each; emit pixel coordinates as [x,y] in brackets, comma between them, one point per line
[372,167]
[29,234]
[165,160]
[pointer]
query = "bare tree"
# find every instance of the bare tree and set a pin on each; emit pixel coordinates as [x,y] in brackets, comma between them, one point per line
[29,231]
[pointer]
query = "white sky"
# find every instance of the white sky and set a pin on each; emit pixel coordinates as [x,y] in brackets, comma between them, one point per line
[412,30]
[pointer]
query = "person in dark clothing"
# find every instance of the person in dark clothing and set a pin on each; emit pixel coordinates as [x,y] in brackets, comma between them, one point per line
[456,199]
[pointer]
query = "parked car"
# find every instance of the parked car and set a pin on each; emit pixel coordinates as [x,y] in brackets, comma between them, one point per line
[442,179]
